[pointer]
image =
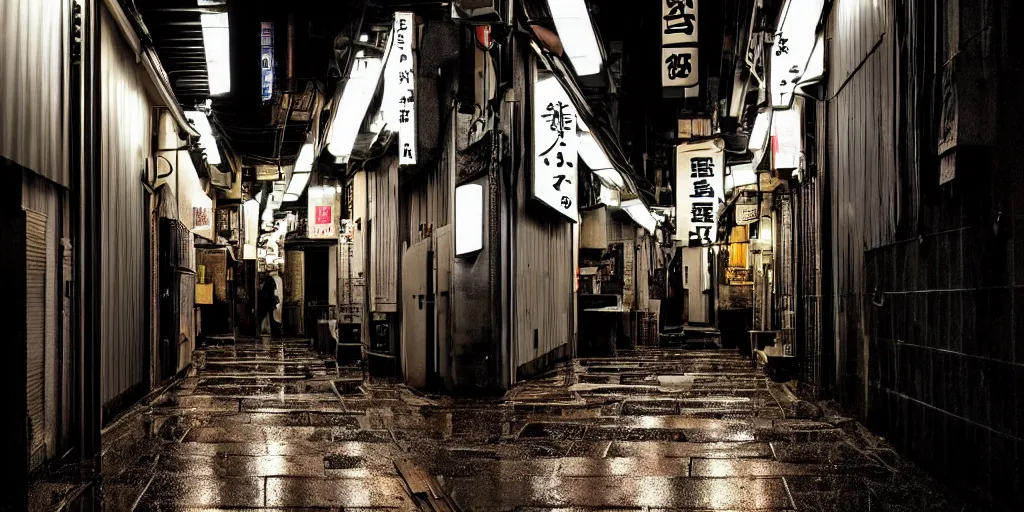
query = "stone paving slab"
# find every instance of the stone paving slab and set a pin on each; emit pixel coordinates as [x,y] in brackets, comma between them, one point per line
[262,426]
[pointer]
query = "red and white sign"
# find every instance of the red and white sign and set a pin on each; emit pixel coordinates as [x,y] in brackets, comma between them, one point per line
[320,214]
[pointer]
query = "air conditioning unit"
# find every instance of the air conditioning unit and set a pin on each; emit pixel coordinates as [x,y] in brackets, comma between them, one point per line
[482,12]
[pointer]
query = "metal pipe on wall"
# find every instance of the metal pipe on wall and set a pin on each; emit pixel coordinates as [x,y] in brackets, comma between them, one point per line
[84,86]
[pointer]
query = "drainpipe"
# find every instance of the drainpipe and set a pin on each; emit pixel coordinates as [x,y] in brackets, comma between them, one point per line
[85,162]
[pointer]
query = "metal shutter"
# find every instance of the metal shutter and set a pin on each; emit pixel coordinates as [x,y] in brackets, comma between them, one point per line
[35,330]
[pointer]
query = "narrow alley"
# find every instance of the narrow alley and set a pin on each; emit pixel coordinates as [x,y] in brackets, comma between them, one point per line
[512,255]
[273,425]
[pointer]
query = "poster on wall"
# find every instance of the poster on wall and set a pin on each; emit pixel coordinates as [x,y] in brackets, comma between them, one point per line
[699,184]
[400,86]
[556,147]
[680,73]
[320,219]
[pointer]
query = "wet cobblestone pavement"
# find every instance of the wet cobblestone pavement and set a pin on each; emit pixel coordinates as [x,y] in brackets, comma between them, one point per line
[276,427]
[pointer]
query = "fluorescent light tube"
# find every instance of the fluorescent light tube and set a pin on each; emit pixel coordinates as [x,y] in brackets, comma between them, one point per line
[640,214]
[216,42]
[304,163]
[576,33]
[355,100]
[296,185]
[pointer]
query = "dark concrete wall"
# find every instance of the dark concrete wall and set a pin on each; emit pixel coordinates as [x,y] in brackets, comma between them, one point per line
[474,363]
[929,277]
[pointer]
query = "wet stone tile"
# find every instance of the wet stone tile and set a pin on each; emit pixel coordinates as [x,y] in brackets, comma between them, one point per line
[275,465]
[492,492]
[346,492]
[205,492]
[754,467]
[720,450]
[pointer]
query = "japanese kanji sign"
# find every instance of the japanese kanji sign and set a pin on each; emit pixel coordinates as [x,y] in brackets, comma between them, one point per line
[679,40]
[400,86]
[320,222]
[699,191]
[556,147]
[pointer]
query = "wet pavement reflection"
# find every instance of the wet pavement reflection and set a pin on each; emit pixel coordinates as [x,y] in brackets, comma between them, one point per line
[273,426]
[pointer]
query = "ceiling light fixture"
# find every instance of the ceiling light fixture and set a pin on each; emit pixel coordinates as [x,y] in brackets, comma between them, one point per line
[636,209]
[576,32]
[216,42]
[355,100]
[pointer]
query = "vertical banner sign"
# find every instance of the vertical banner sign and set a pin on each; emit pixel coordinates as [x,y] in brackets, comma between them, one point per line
[320,213]
[699,184]
[251,214]
[556,147]
[679,47]
[402,73]
[267,59]
[786,140]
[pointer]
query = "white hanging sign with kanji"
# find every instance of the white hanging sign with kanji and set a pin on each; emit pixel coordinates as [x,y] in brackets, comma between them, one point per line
[400,86]
[556,147]
[699,192]
[679,41]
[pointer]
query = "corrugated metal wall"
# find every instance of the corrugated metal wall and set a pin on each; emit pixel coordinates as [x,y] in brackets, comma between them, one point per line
[425,199]
[384,237]
[33,85]
[543,278]
[863,178]
[42,199]
[811,306]
[125,125]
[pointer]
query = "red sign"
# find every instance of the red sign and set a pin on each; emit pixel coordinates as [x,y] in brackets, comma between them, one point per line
[323,215]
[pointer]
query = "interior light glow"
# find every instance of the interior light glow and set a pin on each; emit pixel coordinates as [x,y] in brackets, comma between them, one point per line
[469,219]
[576,33]
[794,41]
[206,139]
[637,211]
[216,42]
[355,100]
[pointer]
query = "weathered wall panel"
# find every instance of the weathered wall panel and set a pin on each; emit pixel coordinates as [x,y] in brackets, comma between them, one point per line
[125,141]
[863,175]
[543,278]
[384,236]
[33,85]
[425,199]
[43,200]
